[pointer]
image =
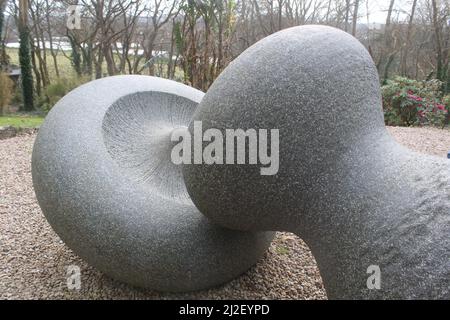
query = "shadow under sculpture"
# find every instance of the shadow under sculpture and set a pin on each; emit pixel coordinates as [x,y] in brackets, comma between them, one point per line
[358,199]
[104,179]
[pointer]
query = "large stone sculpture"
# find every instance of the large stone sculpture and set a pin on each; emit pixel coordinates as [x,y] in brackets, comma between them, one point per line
[104,180]
[359,200]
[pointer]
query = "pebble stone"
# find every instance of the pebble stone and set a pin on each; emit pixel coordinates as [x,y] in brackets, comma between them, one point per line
[28,243]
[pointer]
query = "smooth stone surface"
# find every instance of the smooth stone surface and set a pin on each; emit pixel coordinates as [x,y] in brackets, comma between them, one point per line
[344,185]
[104,180]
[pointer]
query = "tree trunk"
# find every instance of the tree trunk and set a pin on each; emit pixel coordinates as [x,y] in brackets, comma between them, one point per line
[406,45]
[347,14]
[99,64]
[355,17]
[387,43]
[50,38]
[3,59]
[36,71]
[437,35]
[25,58]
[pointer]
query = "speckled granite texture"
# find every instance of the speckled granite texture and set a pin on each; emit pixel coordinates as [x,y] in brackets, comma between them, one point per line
[344,185]
[103,178]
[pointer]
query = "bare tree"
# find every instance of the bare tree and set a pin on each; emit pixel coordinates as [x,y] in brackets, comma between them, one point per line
[161,12]
[347,14]
[441,64]
[407,42]
[355,17]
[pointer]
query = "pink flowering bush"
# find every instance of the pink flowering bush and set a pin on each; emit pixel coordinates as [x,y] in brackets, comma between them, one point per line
[408,102]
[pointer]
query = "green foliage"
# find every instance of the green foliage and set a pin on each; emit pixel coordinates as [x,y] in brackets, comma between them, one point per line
[21,121]
[66,69]
[58,89]
[408,102]
[6,91]
[231,17]
[26,70]
[75,56]
[76,61]
[179,41]
[446,101]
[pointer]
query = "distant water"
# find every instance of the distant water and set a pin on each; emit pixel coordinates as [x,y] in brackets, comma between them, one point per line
[64,45]
[57,44]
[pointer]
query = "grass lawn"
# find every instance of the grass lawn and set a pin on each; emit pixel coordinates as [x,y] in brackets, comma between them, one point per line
[21,121]
[66,69]
[64,65]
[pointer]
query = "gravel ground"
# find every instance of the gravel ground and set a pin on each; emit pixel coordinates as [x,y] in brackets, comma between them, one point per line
[34,261]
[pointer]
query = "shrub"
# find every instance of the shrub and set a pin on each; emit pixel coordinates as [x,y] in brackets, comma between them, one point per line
[6,91]
[446,101]
[58,89]
[408,102]
[17,98]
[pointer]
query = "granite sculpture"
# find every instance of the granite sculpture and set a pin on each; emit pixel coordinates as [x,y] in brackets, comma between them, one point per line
[104,180]
[360,200]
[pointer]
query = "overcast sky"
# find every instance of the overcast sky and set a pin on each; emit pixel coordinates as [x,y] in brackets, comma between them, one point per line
[378,9]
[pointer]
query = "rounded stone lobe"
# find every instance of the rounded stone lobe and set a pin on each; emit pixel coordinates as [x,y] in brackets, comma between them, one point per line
[355,196]
[103,178]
